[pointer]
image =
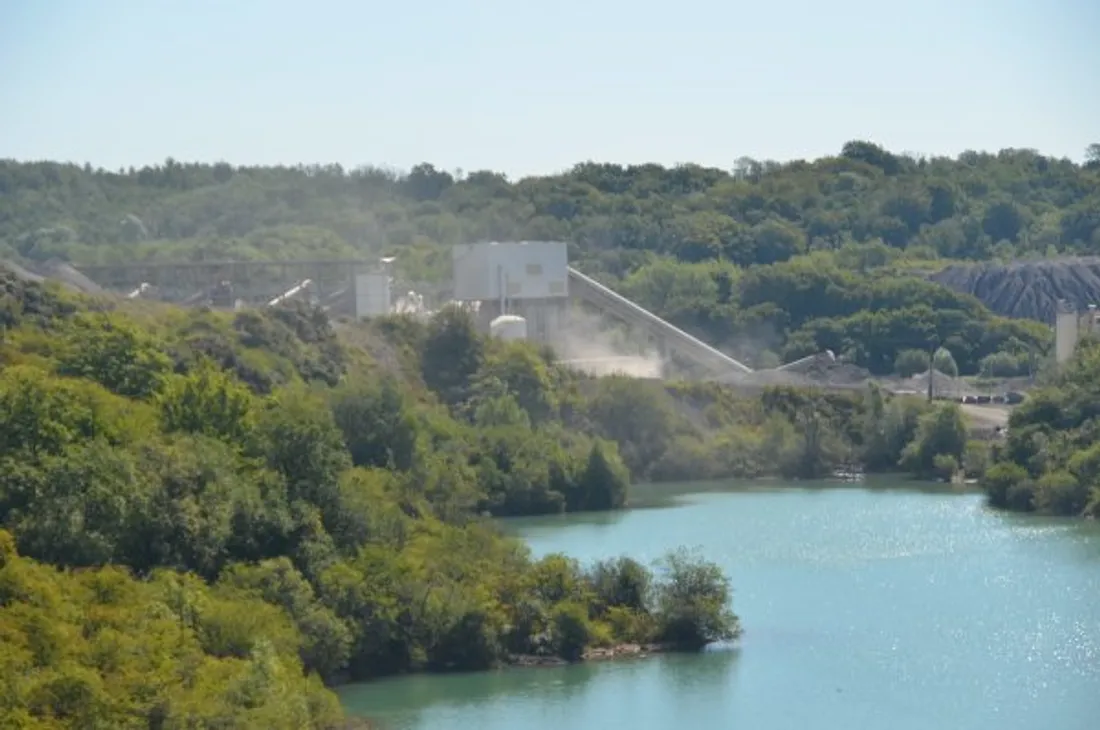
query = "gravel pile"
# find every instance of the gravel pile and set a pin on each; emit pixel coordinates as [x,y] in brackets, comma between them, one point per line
[942,384]
[57,271]
[20,272]
[837,373]
[1027,289]
[820,373]
[66,274]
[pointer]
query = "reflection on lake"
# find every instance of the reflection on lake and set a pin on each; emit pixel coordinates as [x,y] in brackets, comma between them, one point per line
[864,607]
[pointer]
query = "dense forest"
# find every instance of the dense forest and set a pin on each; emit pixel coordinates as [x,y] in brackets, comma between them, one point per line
[207,516]
[1050,463]
[769,261]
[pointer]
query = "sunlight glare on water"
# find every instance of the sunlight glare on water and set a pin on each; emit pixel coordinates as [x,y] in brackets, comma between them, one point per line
[863,608]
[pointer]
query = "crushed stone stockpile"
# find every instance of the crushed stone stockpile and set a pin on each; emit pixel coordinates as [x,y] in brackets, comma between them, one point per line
[1027,289]
[57,271]
[19,272]
[942,384]
[834,374]
[66,274]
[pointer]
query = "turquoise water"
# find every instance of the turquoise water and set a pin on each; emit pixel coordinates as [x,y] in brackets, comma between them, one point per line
[863,608]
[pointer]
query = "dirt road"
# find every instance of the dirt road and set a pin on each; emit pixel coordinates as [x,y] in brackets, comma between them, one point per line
[983,416]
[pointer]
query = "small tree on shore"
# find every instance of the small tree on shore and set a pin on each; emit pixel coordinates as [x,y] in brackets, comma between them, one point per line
[693,602]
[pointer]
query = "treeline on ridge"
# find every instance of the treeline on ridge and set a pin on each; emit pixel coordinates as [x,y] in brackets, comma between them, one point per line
[769,261]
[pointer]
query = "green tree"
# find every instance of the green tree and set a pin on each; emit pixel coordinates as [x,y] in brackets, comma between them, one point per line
[378,426]
[117,355]
[941,433]
[452,355]
[693,602]
[635,416]
[300,440]
[208,401]
[571,631]
[500,410]
[1092,155]
[78,508]
[603,483]
[623,583]
[42,415]
[944,361]
[888,429]
[519,371]
[911,362]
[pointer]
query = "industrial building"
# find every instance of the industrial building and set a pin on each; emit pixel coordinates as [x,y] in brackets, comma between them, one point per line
[532,280]
[516,290]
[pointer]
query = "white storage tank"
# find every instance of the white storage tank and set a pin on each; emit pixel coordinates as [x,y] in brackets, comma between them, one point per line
[509,327]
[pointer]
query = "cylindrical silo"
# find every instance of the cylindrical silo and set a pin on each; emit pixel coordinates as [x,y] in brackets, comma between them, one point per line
[1065,332]
[509,327]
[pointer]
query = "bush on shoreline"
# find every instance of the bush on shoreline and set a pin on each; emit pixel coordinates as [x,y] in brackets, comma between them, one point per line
[1050,462]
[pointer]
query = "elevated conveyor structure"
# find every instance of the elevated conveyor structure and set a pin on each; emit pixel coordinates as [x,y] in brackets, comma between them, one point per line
[674,339]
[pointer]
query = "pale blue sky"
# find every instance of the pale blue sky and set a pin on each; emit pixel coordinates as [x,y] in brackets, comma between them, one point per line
[534,87]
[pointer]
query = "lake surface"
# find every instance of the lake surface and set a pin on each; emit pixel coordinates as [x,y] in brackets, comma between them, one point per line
[862,607]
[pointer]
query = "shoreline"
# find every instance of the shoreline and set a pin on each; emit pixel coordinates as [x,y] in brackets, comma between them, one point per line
[593,654]
[518,661]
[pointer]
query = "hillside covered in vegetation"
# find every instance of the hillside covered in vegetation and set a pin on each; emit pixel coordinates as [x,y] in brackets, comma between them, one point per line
[248,506]
[1050,463]
[768,261]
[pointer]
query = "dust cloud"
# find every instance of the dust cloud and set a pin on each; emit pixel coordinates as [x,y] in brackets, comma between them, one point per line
[587,344]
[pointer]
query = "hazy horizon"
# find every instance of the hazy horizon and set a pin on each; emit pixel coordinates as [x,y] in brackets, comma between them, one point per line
[525,90]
